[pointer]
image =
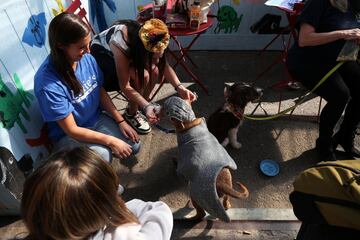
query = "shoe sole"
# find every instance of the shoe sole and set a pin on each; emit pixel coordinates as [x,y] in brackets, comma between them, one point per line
[142,132]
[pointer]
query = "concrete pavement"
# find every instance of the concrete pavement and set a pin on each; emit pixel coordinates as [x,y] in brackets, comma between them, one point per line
[288,140]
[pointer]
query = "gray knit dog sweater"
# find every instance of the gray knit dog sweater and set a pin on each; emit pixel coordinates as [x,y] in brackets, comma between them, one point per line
[201,158]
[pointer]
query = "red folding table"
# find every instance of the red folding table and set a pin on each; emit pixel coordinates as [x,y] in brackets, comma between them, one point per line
[183,50]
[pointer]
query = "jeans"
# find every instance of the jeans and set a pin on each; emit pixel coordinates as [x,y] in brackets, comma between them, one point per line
[105,125]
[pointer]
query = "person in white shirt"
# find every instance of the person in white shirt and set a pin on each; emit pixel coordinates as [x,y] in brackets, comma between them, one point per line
[73,195]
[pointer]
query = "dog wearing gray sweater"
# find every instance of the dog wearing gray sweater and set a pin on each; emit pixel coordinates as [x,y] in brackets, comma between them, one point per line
[203,162]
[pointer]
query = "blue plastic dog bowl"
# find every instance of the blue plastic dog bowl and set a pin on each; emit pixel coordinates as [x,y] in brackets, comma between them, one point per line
[269,167]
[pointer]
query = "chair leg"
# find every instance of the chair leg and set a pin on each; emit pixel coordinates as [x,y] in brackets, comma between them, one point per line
[124,96]
[121,94]
[280,100]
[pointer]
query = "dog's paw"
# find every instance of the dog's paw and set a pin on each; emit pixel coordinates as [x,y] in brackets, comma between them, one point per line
[236,145]
[226,202]
[196,218]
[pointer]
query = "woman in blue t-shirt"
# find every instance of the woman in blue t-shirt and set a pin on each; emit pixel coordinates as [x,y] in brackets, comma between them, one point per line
[72,101]
[324,26]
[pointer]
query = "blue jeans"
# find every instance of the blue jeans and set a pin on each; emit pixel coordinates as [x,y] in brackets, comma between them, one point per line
[105,125]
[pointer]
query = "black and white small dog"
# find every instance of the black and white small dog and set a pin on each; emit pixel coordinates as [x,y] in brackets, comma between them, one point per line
[225,122]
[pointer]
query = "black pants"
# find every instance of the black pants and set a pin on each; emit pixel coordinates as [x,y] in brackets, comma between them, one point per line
[105,60]
[341,91]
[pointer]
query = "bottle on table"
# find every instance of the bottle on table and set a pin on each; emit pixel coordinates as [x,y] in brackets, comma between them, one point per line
[159,8]
[195,11]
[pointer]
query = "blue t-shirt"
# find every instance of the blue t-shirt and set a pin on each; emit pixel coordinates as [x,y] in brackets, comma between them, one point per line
[324,18]
[57,101]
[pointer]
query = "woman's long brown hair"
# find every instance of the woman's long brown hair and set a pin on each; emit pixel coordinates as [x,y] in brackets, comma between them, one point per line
[65,29]
[72,196]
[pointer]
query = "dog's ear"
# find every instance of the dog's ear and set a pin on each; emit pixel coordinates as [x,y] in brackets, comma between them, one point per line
[227,90]
[228,85]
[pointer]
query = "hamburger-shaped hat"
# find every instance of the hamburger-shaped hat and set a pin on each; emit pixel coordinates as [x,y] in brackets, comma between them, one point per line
[155,35]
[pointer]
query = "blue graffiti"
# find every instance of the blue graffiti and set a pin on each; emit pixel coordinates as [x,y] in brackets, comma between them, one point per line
[97,11]
[35,34]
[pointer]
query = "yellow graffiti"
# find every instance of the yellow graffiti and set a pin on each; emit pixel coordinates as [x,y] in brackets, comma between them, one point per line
[236,2]
[140,8]
[61,8]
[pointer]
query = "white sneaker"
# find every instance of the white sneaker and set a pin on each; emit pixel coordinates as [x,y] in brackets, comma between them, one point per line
[138,122]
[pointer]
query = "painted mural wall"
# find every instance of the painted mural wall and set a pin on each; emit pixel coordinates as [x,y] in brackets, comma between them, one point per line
[24,47]
[233,33]
[231,28]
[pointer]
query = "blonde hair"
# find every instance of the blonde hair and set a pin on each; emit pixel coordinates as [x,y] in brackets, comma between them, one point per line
[72,196]
[342,5]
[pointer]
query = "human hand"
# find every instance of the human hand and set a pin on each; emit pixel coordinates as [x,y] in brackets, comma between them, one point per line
[152,111]
[186,94]
[128,131]
[351,34]
[120,148]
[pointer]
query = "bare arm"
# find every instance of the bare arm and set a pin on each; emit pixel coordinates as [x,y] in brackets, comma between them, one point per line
[308,36]
[118,147]
[171,76]
[173,79]
[122,65]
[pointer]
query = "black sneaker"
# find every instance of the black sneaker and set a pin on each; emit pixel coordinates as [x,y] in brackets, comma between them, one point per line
[138,122]
[325,149]
[346,141]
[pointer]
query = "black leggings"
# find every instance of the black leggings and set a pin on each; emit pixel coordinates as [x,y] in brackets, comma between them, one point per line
[340,90]
[105,60]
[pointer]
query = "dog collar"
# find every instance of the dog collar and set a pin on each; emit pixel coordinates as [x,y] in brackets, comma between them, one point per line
[235,110]
[188,125]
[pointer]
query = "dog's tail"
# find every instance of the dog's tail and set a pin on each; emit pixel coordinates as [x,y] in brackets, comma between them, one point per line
[233,193]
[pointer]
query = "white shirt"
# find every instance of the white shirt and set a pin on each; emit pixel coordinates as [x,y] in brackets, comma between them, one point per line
[156,222]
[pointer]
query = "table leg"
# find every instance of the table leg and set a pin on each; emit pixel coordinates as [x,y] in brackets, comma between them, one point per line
[271,42]
[181,60]
[283,56]
[187,69]
[184,50]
